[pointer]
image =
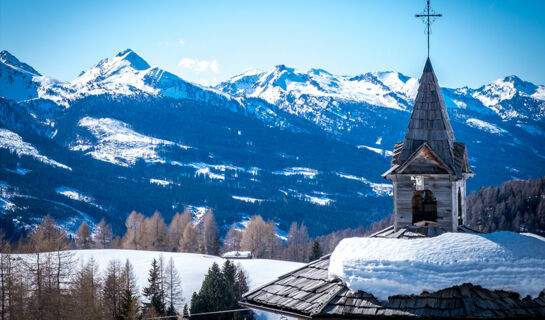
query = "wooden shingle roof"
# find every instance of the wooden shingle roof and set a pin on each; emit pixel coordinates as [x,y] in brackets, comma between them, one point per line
[308,293]
[429,122]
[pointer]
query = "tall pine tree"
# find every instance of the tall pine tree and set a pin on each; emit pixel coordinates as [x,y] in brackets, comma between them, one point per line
[153,292]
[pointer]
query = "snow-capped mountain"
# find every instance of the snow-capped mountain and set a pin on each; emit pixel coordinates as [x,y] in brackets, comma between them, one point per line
[283,84]
[289,145]
[128,74]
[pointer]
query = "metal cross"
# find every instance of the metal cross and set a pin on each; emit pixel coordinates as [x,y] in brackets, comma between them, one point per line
[426,15]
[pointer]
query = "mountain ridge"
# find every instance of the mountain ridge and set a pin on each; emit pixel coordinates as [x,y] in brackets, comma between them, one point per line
[272,138]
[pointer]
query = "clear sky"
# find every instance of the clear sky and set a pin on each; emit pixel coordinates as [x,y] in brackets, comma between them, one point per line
[203,41]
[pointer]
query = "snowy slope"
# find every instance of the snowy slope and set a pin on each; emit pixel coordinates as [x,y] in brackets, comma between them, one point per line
[191,266]
[15,144]
[386,267]
[117,143]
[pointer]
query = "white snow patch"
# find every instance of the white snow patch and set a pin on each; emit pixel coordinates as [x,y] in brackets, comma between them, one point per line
[305,172]
[197,213]
[247,199]
[382,152]
[540,93]
[319,200]
[160,182]
[386,267]
[485,126]
[15,144]
[460,104]
[118,143]
[380,189]
[77,195]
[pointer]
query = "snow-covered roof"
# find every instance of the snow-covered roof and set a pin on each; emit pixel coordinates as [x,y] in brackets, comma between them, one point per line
[309,292]
[386,267]
[237,254]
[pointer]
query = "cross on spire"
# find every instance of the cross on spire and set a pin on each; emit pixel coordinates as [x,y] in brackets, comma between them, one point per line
[426,15]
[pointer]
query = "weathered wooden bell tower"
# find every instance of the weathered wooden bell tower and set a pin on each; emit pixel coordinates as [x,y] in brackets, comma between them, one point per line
[429,169]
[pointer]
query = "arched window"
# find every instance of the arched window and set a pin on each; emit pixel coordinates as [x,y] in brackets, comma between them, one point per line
[424,207]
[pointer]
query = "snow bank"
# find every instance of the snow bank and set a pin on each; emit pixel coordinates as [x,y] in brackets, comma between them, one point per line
[385,267]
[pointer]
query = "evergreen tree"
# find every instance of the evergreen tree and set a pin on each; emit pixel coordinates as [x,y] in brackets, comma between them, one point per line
[154,292]
[211,296]
[221,290]
[316,252]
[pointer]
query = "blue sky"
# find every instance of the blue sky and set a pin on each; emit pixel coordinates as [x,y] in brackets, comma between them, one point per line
[203,41]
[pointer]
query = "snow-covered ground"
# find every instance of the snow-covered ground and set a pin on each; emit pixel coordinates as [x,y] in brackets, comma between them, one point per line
[386,267]
[305,172]
[191,266]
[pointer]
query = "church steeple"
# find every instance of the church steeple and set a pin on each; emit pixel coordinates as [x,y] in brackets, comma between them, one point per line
[429,168]
[429,121]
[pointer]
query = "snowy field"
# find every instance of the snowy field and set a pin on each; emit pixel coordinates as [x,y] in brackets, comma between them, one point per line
[191,266]
[386,267]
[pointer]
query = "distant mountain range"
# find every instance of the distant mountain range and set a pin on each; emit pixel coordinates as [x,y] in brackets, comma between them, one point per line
[288,145]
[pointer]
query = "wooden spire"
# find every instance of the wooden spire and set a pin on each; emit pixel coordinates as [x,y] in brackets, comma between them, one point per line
[429,121]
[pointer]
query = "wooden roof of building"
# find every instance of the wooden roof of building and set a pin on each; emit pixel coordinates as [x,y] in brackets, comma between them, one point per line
[307,293]
[430,125]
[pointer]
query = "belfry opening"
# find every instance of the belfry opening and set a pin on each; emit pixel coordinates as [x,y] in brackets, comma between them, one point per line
[424,208]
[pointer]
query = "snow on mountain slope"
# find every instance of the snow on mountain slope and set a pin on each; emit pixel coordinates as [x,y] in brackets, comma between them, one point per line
[117,143]
[283,83]
[77,195]
[19,81]
[128,74]
[9,59]
[502,90]
[16,78]
[15,144]
[485,126]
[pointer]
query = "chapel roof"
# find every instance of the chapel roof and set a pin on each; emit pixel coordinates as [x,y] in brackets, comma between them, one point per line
[308,293]
[430,125]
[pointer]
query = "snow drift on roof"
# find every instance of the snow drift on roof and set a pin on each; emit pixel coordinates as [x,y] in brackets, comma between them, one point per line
[386,267]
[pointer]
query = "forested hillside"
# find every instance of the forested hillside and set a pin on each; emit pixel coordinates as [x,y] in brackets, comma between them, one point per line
[517,205]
